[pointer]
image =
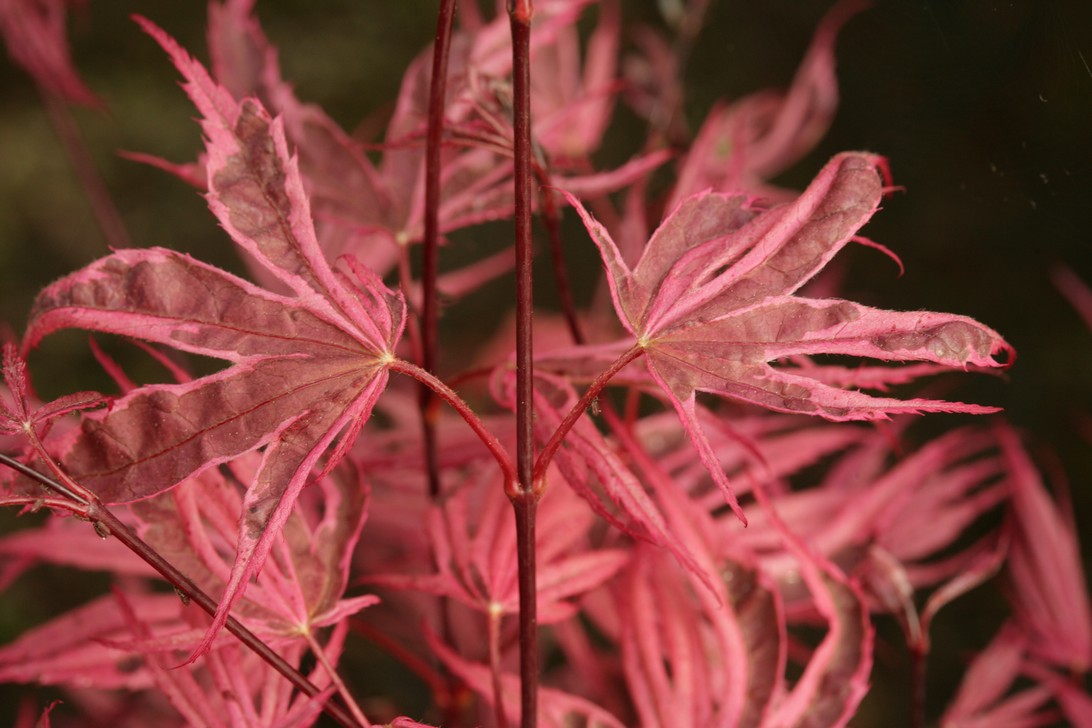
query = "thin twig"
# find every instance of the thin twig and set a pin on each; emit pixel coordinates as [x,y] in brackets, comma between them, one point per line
[451,397]
[431,244]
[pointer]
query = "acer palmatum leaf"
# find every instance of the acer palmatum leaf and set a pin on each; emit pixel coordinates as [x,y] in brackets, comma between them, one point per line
[711,305]
[69,649]
[835,679]
[304,367]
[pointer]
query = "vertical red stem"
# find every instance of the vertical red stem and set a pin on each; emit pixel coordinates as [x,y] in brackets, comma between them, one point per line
[523,495]
[430,255]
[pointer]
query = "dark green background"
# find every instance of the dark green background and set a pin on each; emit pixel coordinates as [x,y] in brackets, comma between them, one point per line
[983,108]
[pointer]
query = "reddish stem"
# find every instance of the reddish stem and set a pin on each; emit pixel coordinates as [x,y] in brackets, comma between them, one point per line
[551,218]
[523,495]
[431,243]
[451,397]
[578,409]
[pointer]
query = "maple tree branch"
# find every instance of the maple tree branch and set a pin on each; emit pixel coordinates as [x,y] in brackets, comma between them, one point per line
[107,524]
[524,498]
[430,255]
[578,409]
[460,406]
[431,243]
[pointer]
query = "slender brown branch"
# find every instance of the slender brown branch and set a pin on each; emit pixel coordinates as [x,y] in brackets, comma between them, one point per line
[524,497]
[431,245]
[526,505]
[109,524]
[551,218]
[430,257]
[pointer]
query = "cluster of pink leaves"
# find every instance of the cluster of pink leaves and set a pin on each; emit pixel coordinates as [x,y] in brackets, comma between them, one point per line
[273,487]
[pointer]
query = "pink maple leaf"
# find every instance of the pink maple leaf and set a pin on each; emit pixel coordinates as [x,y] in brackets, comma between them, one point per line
[305,366]
[710,305]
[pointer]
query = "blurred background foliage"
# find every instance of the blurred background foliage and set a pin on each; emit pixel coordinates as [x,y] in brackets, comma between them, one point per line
[984,109]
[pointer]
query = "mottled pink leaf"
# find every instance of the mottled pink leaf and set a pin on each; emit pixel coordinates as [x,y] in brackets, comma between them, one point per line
[711,304]
[304,367]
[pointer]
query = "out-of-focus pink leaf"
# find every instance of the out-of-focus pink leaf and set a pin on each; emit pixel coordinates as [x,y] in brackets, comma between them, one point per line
[1075,702]
[1048,589]
[1076,291]
[34,32]
[710,303]
[981,702]
[304,367]
[741,146]
[594,471]
[66,650]
[43,721]
[572,109]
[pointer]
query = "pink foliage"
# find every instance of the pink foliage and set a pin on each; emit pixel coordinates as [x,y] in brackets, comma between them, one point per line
[297,486]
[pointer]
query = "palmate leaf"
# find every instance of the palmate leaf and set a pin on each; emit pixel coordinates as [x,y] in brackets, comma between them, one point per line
[304,366]
[711,305]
